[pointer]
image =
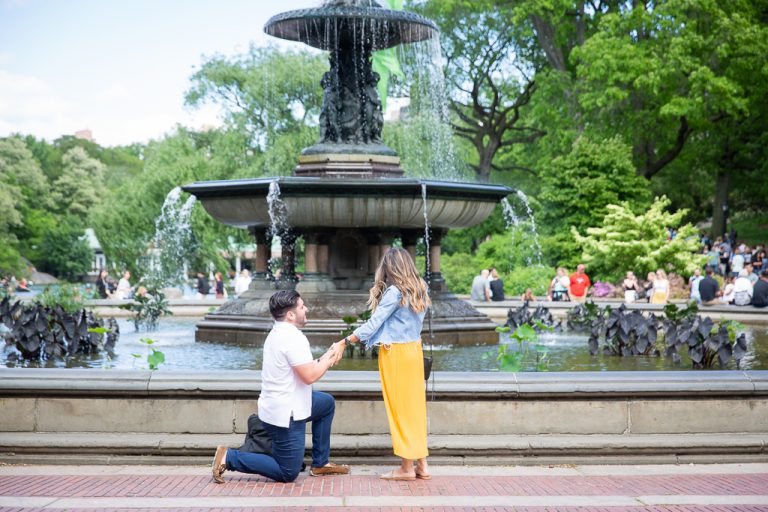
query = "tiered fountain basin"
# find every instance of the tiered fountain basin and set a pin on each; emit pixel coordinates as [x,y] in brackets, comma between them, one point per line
[347,224]
[314,202]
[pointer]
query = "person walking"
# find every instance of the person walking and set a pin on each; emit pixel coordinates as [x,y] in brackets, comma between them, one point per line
[287,401]
[219,285]
[399,301]
[580,284]
[202,286]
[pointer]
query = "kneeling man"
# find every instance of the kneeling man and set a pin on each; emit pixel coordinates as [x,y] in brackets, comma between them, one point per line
[287,401]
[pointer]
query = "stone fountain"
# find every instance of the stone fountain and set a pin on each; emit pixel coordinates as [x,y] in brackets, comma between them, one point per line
[347,197]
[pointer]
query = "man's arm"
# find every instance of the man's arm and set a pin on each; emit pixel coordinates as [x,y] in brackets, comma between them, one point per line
[310,373]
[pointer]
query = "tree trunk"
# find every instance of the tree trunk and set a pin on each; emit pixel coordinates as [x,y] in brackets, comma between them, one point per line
[720,209]
[545,33]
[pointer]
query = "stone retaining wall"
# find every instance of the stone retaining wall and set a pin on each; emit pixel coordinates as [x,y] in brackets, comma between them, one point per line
[141,413]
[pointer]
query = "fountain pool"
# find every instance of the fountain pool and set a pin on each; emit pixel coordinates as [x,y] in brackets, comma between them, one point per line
[176,339]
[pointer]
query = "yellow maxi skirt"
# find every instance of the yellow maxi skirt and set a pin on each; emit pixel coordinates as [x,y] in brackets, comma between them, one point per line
[401,367]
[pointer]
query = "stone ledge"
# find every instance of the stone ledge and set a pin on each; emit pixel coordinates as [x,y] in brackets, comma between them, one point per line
[475,386]
[489,449]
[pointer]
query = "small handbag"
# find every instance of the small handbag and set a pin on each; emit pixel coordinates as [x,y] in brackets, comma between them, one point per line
[428,364]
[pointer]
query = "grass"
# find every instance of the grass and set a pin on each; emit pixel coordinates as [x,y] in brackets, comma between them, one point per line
[752,228]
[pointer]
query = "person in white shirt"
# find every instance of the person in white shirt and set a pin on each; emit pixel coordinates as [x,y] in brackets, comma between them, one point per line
[742,290]
[124,287]
[737,262]
[242,282]
[287,401]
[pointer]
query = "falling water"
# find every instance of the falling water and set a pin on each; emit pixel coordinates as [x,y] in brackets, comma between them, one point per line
[428,149]
[173,241]
[278,212]
[513,221]
[278,217]
[510,217]
[427,272]
[534,232]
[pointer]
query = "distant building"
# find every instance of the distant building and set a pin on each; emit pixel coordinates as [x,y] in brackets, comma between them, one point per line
[84,135]
[98,260]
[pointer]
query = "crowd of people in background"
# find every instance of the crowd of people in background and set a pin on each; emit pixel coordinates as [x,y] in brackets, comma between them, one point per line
[10,285]
[742,269]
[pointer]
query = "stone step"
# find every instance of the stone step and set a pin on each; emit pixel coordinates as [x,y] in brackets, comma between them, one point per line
[110,448]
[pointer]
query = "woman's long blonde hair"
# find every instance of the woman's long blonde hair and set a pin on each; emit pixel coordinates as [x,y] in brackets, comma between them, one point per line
[397,268]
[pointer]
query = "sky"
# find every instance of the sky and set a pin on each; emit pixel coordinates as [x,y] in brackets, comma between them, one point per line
[119,68]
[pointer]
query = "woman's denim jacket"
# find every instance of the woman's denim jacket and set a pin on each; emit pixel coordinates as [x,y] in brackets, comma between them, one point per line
[391,322]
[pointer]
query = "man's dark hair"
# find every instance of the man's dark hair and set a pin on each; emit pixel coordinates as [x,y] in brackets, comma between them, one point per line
[282,302]
[765,273]
[710,270]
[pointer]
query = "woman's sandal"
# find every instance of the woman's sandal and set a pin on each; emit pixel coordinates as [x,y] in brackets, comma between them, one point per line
[390,475]
[423,476]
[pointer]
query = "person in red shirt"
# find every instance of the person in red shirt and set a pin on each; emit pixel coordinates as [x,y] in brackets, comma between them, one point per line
[579,284]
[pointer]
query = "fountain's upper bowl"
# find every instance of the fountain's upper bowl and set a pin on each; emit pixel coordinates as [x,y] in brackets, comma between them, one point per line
[313,202]
[324,27]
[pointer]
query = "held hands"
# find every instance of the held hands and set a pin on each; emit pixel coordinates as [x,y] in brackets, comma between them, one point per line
[335,353]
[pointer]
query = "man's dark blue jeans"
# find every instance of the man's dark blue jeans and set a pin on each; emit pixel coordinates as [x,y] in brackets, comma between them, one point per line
[284,464]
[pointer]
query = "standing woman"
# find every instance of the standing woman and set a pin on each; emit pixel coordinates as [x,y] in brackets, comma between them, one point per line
[219,285]
[660,288]
[399,302]
[630,288]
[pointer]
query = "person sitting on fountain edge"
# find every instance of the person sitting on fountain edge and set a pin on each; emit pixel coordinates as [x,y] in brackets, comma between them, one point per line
[287,401]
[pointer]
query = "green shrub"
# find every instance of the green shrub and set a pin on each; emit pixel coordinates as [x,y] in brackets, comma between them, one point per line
[67,296]
[458,270]
[628,241]
[536,278]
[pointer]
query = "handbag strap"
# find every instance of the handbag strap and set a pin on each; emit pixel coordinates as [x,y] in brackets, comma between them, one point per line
[432,373]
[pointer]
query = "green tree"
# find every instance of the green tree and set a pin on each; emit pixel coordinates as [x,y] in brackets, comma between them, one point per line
[125,221]
[65,252]
[576,190]
[491,72]
[639,242]
[262,93]
[80,185]
[23,192]
[671,74]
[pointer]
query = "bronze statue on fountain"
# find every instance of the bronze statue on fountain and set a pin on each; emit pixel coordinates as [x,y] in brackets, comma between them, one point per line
[347,197]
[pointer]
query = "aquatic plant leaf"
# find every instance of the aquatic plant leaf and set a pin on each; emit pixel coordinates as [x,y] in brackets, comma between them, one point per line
[696,353]
[642,344]
[740,347]
[724,354]
[705,327]
[593,345]
[712,343]
[671,335]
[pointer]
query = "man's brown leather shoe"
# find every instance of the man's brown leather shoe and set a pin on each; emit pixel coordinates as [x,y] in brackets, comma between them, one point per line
[330,469]
[219,465]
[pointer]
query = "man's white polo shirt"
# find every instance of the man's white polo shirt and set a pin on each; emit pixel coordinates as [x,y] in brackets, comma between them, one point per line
[283,393]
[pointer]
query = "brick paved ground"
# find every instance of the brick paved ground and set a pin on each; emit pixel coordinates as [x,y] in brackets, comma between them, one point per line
[733,488]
